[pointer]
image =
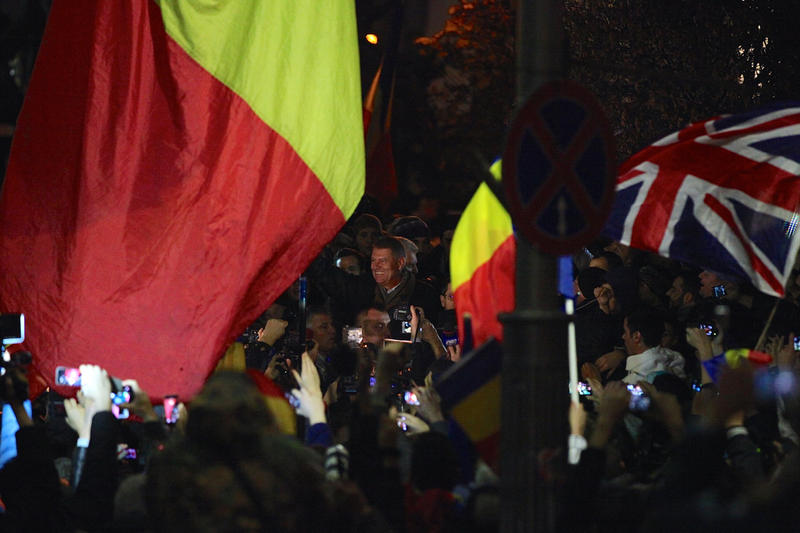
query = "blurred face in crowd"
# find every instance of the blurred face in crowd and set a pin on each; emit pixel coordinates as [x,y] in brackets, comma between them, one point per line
[647,295]
[411,254]
[365,239]
[411,261]
[293,292]
[323,332]
[620,249]
[599,262]
[423,244]
[447,298]
[675,293]
[708,280]
[631,340]
[349,264]
[386,269]
[447,239]
[669,339]
[375,326]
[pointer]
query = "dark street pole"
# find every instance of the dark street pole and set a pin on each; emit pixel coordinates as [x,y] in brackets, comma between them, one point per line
[535,395]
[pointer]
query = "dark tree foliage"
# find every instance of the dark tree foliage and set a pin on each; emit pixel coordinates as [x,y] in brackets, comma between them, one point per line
[657,66]
[456,90]
[654,66]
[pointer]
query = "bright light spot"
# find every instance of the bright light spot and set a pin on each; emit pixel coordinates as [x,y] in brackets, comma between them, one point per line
[371,38]
[791,225]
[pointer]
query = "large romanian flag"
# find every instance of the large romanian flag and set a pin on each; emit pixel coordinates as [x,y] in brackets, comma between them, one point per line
[482,263]
[176,165]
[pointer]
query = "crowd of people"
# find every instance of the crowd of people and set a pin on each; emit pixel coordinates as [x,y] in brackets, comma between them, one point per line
[676,428]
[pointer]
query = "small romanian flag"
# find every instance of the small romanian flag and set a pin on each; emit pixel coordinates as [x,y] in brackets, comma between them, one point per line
[471,392]
[482,263]
[175,166]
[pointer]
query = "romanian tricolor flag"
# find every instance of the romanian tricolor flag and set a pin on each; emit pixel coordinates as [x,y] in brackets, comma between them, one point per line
[175,166]
[471,392]
[482,263]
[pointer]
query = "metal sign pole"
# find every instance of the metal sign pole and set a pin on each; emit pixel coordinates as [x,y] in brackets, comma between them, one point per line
[534,397]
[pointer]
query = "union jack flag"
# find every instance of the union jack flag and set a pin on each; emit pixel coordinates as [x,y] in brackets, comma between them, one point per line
[722,194]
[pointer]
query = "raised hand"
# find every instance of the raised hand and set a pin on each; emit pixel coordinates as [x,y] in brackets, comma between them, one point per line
[308,394]
[141,405]
[96,388]
[272,331]
[430,405]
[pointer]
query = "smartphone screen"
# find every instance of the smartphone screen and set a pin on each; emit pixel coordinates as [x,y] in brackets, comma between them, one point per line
[13,327]
[171,409]
[353,336]
[117,399]
[639,400]
[709,329]
[584,389]
[68,376]
[410,398]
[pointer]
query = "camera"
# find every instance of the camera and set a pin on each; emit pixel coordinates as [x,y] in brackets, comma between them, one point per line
[20,383]
[12,328]
[400,324]
[401,313]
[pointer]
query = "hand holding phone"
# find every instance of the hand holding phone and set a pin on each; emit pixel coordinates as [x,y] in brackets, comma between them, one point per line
[96,386]
[139,404]
[119,398]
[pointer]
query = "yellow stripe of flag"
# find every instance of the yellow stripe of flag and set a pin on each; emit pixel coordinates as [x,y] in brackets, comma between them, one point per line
[479,413]
[482,228]
[305,64]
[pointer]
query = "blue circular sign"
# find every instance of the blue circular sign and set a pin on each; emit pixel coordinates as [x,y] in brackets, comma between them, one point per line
[559,168]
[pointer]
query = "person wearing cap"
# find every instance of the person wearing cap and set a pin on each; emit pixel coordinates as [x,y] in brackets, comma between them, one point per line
[367,229]
[350,260]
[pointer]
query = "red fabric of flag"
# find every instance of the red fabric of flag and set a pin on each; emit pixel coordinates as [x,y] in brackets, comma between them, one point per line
[148,214]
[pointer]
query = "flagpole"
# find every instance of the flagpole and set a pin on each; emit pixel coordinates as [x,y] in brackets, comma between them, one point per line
[762,338]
